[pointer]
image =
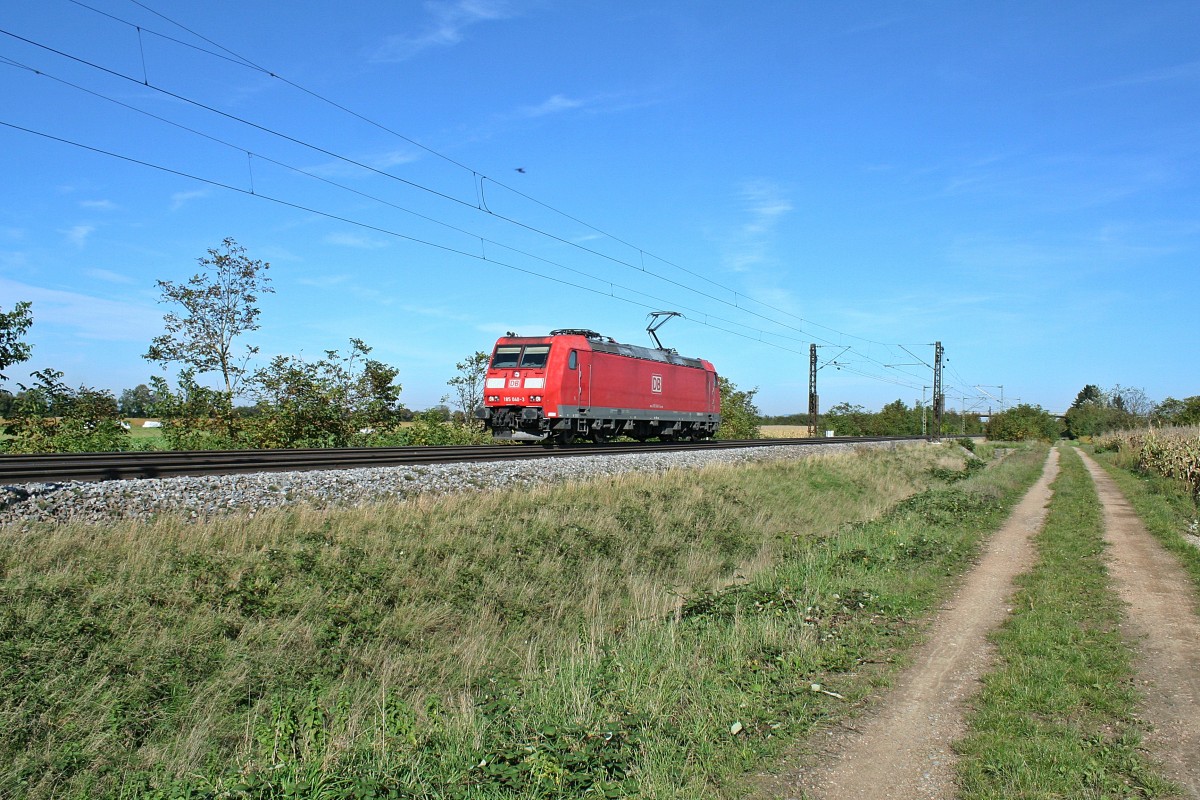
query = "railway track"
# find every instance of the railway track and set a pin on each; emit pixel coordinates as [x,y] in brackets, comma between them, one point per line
[64,467]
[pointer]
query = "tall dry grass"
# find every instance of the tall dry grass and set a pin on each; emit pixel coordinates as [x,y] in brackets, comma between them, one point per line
[397,639]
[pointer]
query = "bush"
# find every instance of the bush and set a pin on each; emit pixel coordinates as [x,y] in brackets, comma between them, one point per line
[739,416]
[51,417]
[1023,423]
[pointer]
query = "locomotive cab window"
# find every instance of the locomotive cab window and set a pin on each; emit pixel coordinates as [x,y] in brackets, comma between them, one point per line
[506,357]
[573,360]
[535,356]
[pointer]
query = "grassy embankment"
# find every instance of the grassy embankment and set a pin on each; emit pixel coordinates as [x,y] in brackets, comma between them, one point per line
[650,636]
[1057,716]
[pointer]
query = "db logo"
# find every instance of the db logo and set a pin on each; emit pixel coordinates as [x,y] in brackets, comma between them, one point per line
[656,384]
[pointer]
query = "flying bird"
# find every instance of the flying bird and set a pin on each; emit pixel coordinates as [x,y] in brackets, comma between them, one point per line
[521,170]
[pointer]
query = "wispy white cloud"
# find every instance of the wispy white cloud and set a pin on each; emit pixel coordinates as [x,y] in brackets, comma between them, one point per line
[14,260]
[553,105]
[335,170]
[86,316]
[78,234]
[394,158]
[98,205]
[436,312]
[108,276]
[446,27]
[180,199]
[1188,71]
[355,240]
[764,204]
[324,281]
[1042,261]
[601,103]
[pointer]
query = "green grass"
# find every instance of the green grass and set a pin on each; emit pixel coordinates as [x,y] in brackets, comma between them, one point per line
[650,636]
[1056,717]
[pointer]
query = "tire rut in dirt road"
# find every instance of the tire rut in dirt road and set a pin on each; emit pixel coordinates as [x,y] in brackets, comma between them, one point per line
[1164,626]
[902,749]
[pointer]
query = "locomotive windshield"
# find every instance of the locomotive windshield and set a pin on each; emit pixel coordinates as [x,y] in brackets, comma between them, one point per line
[506,357]
[535,356]
[510,356]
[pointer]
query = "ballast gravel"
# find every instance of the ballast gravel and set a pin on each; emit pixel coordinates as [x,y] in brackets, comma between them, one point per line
[212,495]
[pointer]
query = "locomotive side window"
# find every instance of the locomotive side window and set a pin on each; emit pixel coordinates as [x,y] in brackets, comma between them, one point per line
[506,357]
[573,360]
[535,356]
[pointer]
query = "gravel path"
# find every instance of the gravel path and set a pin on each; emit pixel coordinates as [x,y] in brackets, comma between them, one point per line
[1163,621]
[902,749]
[204,497]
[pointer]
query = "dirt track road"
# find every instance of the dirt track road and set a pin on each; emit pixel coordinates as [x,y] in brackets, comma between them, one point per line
[902,747]
[1162,623]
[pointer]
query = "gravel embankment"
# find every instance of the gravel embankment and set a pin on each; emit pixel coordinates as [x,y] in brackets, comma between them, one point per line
[202,497]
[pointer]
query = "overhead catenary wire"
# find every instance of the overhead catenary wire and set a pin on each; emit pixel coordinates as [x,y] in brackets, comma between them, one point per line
[369,226]
[250,155]
[354,162]
[415,240]
[383,173]
[242,60]
[237,59]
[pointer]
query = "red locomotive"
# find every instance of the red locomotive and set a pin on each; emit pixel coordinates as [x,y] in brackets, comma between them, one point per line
[577,384]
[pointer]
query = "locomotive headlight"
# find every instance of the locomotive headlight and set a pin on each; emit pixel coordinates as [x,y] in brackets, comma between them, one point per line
[493,398]
[537,398]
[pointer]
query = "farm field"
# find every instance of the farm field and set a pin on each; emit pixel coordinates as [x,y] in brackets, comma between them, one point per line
[635,636]
[783,431]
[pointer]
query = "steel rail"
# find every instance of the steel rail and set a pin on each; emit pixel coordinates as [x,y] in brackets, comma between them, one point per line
[66,467]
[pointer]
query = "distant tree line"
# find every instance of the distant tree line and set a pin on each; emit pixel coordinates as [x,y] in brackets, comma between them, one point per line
[894,419]
[1096,412]
[348,398]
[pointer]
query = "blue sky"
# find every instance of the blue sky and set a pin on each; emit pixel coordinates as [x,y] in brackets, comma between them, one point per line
[1017,180]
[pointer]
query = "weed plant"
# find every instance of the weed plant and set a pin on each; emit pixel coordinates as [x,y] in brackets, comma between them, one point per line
[642,635]
[1056,717]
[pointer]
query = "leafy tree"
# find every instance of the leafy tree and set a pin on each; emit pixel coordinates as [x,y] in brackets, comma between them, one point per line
[136,402]
[897,419]
[441,412]
[1088,394]
[468,384]
[13,325]
[326,403]
[1095,412]
[1089,419]
[1022,423]
[218,305]
[845,419]
[739,416]
[1178,412]
[195,417]
[51,417]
